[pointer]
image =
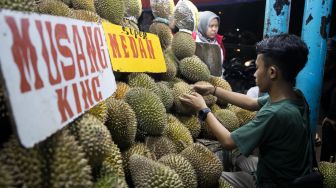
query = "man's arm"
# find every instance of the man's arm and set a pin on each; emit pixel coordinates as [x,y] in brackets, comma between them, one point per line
[221,133]
[238,99]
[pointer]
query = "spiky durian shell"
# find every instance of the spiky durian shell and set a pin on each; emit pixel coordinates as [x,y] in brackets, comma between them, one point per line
[194,69]
[222,83]
[224,184]
[99,111]
[121,91]
[182,167]
[149,110]
[110,181]
[244,116]
[56,8]
[143,80]
[166,95]
[133,8]
[113,163]
[160,146]
[67,165]
[192,123]
[147,173]
[20,5]
[24,165]
[94,137]
[83,5]
[328,170]
[86,15]
[6,178]
[121,122]
[130,23]
[179,89]
[206,164]
[164,33]
[162,8]
[138,149]
[183,45]
[178,133]
[111,10]
[228,119]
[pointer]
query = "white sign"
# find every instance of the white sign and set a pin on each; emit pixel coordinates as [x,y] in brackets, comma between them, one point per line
[54,69]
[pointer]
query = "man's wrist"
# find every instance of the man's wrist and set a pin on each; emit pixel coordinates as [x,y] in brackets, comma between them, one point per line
[203,113]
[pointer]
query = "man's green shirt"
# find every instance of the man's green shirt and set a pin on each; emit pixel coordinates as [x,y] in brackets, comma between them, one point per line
[280,132]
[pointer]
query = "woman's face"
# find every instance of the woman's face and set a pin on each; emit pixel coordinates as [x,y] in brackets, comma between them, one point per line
[212,28]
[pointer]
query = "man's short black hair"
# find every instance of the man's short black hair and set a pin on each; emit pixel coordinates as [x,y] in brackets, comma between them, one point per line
[286,51]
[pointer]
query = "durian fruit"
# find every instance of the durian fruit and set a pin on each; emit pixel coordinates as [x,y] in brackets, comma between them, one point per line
[214,108]
[136,149]
[164,33]
[182,167]
[24,165]
[110,181]
[228,119]
[67,165]
[162,8]
[186,15]
[183,45]
[328,170]
[94,137]
[209,99]
[143,80]
[160,146]
[224,184]
[86,15]
[207,165]
[194,69]
[166,95]
[244,116]
[133,9]
[56,8]
[149,110]
[20,5]
[178,133]
[67,2]
[113,163]
[121,122]
[6,178]
[99,111]
[130,23]
[147,173]
[83,5]
[179,89]
[221,83]
[121,91]
[171,69]
[192,123]
[111,10]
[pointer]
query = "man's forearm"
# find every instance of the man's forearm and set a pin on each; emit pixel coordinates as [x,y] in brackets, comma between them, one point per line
[221,133]
[237,99]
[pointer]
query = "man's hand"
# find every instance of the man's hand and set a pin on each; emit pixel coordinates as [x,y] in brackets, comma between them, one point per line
[194,100]
[204,89]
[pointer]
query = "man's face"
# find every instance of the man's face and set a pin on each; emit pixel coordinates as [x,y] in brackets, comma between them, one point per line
[261,74]
[212,28]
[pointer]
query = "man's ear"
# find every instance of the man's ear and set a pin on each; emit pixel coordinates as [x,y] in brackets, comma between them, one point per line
[273,72]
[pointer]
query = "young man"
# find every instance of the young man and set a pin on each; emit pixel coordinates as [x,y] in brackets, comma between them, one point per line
[280,129]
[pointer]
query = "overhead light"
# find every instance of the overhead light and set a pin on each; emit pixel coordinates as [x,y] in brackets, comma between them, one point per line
[238,50]
[237,29]
[248,63]
[219,12]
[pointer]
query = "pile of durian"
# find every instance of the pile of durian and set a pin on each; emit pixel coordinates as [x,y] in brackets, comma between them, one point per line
[142,135]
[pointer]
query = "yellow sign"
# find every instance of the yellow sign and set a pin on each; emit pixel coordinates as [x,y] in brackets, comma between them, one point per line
[133,51]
